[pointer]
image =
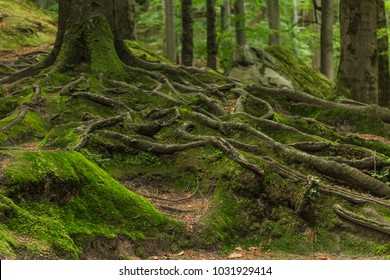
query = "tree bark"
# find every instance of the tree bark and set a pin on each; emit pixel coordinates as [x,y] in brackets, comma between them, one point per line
[327,38]
[211,35]
[358,71]
[383,58]
[225,15]
[239,9]
[187,47]
[226,49]
[273,22]
[170,30]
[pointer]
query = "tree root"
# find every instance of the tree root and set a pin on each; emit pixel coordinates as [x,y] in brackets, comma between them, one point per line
[220,143]
[153,147]
[352,176]
[299,96]
[91,127]
[100,99]
[22,114]
[369,223]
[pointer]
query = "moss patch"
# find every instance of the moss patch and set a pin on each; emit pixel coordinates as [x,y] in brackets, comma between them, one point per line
[63,199]
[23,23]
[303,77]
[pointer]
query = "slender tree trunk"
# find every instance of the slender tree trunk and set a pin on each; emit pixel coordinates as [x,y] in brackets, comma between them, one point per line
[211,35]
[226,49]
[383,57]
[187,48]
[225,16]
[295,19]
[170,30]
[358,71]
[327,38]
[239,9]
[273,22]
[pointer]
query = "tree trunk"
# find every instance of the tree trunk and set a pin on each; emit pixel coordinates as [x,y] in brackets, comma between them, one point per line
[170,30]
[295,20]
[225,15]
[226,50]
[327,38]
[91,31]
[358,71]
[273,22]
[383,58]
[239,9]
[211,35]
[187,48]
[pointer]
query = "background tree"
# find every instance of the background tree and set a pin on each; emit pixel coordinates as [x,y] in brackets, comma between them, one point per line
[212,48]
[226,50]
[383,57]
[170,30]
[327,18]
[273,22]
[358,70]
[187,46]
[239,10]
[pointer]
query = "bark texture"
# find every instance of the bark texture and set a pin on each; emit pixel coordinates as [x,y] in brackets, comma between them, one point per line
[212,48]
[327,39]
[383,58]
[187,43]
[358,71]
[239,9]
[170,30]
[273,22]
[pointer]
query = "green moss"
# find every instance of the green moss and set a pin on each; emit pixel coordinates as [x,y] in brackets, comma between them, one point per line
[143,53]
[303,77]
[95,37]
[31,127]
[61,136]
[23,23]
[79,201]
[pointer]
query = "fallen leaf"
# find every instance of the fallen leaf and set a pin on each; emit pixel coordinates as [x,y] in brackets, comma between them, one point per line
[181,253]
[235,256]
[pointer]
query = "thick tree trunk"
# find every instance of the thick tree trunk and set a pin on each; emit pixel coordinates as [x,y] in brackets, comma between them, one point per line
[358,71]
[273,22]
[383,58]
[327,38]
[187,46]
[211,35]
[170,30]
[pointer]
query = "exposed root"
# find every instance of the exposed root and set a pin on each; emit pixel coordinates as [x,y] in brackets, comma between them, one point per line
[91,127]
[369,223]
[157,148]
[100,99]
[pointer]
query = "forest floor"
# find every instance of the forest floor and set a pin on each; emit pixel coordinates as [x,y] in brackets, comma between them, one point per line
[189,208]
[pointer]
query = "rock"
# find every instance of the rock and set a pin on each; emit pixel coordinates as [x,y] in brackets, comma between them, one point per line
[278,67]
